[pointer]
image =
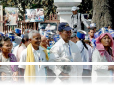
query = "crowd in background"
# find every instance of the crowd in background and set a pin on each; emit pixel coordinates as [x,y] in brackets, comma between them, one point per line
[68,45]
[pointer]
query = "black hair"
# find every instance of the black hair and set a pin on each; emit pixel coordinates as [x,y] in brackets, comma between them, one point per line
[18,34]
[2,39]
[84,43]
[91,29]
[24,39]
[13,39]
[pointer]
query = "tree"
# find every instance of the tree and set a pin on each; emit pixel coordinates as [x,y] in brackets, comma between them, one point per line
[48,5]
[86,7]
[103,13]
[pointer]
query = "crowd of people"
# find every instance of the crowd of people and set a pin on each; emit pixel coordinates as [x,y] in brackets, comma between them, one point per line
[73,45]
[33,47]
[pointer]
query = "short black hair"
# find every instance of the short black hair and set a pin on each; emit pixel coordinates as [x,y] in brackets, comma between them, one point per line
[18,34]
[2,39]
[91,29]
[25,38]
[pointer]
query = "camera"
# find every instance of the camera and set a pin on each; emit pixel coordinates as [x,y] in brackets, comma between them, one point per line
[75,26]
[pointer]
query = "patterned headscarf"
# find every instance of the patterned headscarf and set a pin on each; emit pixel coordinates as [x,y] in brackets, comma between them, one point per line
[101,49]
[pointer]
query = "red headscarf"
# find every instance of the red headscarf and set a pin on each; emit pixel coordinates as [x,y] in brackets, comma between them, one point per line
[101,49]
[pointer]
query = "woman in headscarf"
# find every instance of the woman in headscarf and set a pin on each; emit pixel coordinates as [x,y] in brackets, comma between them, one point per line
[104,51]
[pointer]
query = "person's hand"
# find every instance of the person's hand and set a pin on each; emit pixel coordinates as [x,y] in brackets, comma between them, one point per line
[111,67]
[15,79]
[64,74]
[2,76]
[15,73]
[64,78]
[14,76]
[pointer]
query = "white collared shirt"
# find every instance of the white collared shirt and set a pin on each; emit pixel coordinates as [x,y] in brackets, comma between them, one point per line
[74,21]
[38,54]
[84,52]
[60,52]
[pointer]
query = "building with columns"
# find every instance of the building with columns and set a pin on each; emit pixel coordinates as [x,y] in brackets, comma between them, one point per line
[64,9]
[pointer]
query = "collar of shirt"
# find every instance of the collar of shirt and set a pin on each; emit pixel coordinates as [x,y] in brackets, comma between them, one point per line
[37,54]
[80,45]
[64,43]
[23,45]
[75,15]
[40,49]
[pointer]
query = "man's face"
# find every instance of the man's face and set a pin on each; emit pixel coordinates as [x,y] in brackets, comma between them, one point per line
[74,12]
[91,33]
[109,27]
[66,35]
[35,41]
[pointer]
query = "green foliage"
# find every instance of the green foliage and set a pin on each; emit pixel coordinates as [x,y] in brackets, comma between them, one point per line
[86,7]
[48,6]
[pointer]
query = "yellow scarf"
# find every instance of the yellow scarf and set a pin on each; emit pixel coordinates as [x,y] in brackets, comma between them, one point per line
[30,69]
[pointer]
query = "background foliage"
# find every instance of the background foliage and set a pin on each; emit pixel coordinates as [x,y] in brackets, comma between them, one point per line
[48,6]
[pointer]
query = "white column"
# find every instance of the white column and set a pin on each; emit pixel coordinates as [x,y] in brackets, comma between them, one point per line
[64,9]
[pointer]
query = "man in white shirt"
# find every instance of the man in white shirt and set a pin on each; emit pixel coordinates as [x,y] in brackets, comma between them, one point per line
[65,50]
[77,18]
[25,42]
[38,52]
[39,55]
